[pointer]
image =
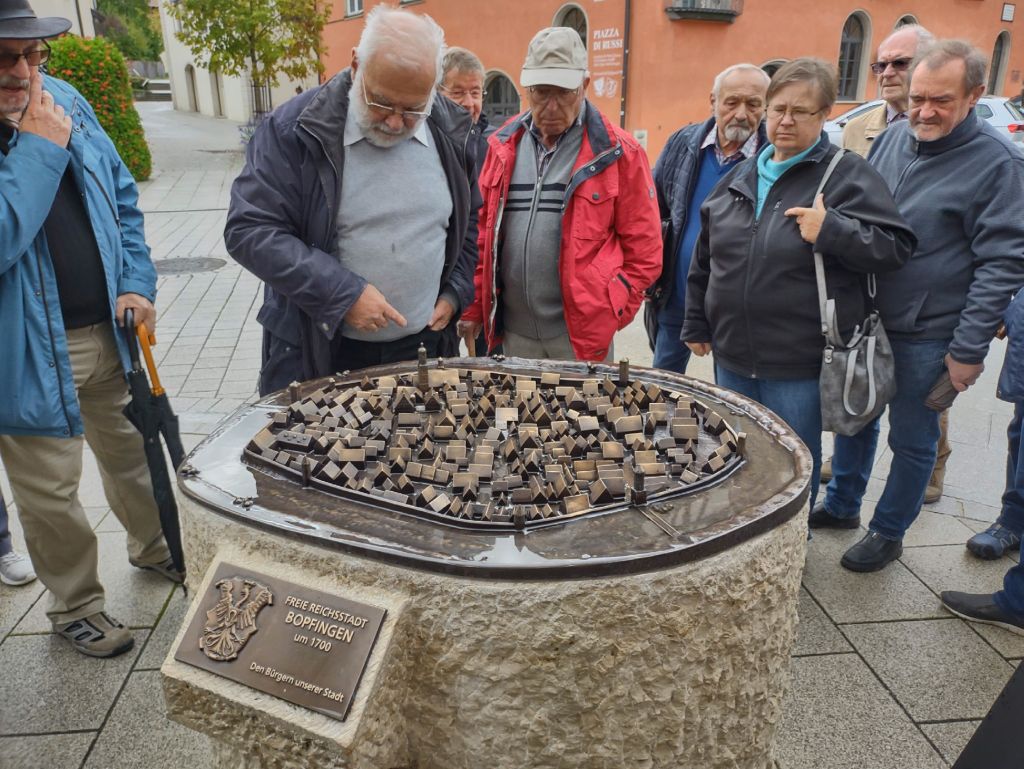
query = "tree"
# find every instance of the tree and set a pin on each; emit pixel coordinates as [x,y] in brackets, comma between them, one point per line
[266,38]
[131,26]
[96,68]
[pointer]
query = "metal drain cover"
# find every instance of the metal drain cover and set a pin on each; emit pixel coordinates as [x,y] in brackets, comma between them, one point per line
[189,264]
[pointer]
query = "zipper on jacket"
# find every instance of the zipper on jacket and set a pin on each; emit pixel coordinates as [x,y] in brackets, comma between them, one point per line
[53,342]
[746,283]
[106,197]
[903,174]
[330,214]
[494,259]
[584,173]
[537,189]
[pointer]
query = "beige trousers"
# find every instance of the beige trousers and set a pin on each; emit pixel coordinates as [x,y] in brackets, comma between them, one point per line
[44,474]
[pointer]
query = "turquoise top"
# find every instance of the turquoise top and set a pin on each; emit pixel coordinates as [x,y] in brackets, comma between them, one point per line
[768,171]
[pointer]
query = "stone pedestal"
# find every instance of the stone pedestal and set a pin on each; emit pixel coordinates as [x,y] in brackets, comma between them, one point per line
[520,650]
[677,668]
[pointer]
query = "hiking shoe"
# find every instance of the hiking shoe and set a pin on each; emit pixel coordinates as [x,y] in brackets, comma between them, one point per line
[872,553]
[993,542]
[16,569]
[97,635]
[981,608]
[820,518]
[165,569]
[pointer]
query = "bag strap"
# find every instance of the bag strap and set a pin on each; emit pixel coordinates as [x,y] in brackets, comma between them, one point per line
[819,266]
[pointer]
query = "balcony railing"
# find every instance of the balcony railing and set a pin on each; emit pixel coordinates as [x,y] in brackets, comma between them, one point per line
[705,10]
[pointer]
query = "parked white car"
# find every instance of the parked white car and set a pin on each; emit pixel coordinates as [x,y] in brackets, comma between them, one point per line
[997,110]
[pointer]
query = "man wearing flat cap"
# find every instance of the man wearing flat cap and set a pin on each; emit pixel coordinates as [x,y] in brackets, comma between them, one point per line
[73,259]
[570,236]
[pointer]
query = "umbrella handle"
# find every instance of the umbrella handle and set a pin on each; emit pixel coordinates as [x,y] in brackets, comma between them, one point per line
[129,337]
[146,339]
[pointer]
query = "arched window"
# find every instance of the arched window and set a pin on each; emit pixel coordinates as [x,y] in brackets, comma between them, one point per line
[851,57]
[771,67]
[572,16]
[997,69]
[905,20]
[502,99]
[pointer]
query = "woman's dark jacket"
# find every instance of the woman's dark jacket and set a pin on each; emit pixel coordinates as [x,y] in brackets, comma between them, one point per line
[751,289]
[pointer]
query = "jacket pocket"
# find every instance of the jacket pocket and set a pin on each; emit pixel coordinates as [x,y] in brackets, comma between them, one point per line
[619,291]
[280,319]
[593,215]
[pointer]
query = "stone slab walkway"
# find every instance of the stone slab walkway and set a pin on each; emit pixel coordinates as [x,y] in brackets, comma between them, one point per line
[883,677]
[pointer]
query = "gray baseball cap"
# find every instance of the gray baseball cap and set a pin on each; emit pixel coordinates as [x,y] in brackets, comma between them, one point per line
[556,56]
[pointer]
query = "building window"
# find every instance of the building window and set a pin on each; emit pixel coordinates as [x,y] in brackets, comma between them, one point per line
[997,69]
[353,7]
[771,67]
[572,16]
[851,58]
[502,99]
[905,20]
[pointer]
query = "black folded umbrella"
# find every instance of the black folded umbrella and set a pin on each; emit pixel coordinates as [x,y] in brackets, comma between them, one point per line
[150,412]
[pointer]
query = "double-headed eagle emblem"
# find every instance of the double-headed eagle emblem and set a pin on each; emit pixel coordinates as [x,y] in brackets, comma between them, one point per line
[229,624]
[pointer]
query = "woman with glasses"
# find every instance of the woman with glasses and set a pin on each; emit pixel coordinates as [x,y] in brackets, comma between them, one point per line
[752,296]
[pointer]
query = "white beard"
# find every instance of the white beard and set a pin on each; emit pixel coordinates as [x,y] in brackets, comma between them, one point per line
[376,132]
[738,133]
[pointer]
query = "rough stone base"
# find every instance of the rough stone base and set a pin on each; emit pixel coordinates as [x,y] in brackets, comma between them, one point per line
[680,668]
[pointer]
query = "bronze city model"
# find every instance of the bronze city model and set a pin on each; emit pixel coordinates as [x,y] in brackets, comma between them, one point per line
[479,448]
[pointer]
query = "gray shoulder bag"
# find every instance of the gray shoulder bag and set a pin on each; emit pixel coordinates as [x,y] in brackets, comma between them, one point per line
[858,377]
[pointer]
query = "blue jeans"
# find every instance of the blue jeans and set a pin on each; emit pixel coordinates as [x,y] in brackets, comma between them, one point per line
[1011,598]
[5,531]
[913,438]
[796,401]
[670,353]
[1012,514]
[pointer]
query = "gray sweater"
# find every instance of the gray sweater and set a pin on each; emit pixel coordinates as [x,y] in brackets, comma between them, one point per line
[532,238]
[963,195]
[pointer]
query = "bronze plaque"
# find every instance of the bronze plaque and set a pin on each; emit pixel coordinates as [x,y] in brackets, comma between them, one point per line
[305,646]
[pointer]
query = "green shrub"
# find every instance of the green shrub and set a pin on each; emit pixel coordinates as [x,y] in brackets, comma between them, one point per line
[96,68]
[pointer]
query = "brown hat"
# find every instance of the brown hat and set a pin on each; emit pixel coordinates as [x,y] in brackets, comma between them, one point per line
[556,56]
[19,22]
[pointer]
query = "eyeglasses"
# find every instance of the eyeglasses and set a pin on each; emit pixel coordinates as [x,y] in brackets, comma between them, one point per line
[34,58]
[542,94]
[898,65]
[799,115]
[475,93]
[410,116]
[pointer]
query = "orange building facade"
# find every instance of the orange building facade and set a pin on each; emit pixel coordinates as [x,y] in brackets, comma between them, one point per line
[652,62]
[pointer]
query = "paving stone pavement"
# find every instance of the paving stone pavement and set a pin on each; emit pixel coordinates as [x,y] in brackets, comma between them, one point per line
[882,676]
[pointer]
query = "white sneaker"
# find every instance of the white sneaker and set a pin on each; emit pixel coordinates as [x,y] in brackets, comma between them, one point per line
[16,569]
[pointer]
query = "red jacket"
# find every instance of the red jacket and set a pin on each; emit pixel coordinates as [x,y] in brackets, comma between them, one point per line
[611,233]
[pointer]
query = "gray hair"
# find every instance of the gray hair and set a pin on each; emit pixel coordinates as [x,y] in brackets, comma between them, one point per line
[807,69]
[924,37]
[381,27]
[721,76]
[945,51]
[458,59]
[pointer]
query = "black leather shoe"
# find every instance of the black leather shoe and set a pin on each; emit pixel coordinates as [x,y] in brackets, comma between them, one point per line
[820,518]
[981,608]
[872,553]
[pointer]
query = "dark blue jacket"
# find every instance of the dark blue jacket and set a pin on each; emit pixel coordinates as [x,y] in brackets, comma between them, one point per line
[282,226]
[963,195]
[1011,378]
[675,176]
